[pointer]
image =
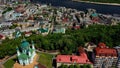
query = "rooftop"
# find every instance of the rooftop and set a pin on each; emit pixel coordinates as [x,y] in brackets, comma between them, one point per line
[23,56]
[1,36]
[43,30]
[103,50]
[24,44]
[73,59]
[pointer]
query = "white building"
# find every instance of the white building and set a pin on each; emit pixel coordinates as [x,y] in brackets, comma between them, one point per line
[26,53]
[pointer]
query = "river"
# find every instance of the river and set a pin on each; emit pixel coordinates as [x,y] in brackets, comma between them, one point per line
[104,9]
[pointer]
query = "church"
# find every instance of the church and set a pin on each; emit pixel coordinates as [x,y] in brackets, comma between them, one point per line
[26,52]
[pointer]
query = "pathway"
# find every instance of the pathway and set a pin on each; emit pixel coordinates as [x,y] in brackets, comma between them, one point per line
[1,66]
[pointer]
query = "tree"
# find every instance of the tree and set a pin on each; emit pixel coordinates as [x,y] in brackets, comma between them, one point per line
[45,44]
[76,66]
[84,66]
[71,66]
[67,43]
[89,66]
[13,26]
[63,66]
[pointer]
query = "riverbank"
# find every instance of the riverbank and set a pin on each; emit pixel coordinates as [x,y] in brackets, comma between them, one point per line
[114,4]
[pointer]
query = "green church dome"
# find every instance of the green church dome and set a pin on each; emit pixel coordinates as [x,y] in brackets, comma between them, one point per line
[24,44]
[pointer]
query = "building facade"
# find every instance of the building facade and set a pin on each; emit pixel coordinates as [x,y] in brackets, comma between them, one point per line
[105,57]
[73,59]
[26,53]
[118,51]
[17,33]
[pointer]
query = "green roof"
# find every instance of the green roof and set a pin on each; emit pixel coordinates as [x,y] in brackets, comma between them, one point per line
[94,14]
[23,56]
[43,30]
[59,30]
[62,30]
[31,50]
[24,44]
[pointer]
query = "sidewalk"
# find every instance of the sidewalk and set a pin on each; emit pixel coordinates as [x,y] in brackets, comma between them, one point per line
[1,66]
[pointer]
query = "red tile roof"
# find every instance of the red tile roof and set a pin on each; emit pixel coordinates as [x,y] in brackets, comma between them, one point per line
[82,59]
[81,50]
[77,27]
[1,36]
[63,58]
[95,19]
[102,45]
[31,18]
[103,50]
[28,32]
[20,9]
[65,19]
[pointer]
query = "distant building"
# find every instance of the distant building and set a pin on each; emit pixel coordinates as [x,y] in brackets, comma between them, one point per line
[43,30]
[9,33]
[105,57]
[90,46]
[72,59]
[59,29]
[29,29]
[95,17]
[25,0]
[26,53]
[6,24]
[12,15]
[3,1]
[9,1]
[17,33]
[20,9]
[27,34]
[2,37]
[1,10]
[118,51]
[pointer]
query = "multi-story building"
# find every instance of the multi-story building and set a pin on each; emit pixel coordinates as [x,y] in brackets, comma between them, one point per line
[25,53]
[2,37]
[3,1]
[73,59]
[5,24]
[17,33]
[90,46]
[118,51]
[105,57]
[59,29]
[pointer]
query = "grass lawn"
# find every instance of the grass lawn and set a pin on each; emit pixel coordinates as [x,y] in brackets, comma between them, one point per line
[45,59]
[9,63]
